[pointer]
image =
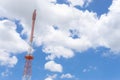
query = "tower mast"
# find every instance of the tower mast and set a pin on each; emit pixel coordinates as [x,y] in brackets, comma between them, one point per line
[29,57]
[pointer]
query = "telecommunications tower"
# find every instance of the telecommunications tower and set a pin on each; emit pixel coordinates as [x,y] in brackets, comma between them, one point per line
[29,57]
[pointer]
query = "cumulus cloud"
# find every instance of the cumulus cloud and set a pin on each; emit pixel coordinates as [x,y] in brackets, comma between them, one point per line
[92,31]
[58,51]
[80,2]
[68,75]
[51,77]
[90,68]
[54,1]
[10,40]
[53,66]
[6,59]
[6,73]
[110,27]
[10,43]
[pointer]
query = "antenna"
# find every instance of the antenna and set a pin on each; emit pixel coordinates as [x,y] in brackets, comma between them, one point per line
[29,57]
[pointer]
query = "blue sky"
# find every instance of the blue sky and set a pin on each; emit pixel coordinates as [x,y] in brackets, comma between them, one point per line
[89,53]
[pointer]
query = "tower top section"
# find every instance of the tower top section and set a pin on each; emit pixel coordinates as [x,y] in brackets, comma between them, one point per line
[34,15]
[33,23]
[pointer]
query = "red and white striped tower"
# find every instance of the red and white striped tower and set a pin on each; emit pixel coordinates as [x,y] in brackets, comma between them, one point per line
[29,57]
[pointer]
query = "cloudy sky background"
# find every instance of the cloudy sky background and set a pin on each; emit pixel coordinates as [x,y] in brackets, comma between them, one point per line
[73,40]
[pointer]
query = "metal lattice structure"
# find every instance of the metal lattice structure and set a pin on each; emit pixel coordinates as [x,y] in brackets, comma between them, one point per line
[29,57]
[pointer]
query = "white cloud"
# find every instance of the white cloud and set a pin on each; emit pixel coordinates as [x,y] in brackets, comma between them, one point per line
[6,73]
[80,2]
[110,27]
[54,1]
[68,75]
[10,40]
[51,77]
[93,32]
[63,16]
[58,51]
[53,66]
[90,68]
[10,43]
[6,59]
[77,2]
